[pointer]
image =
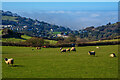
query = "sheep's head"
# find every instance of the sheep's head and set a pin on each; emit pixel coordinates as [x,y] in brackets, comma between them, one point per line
[6,59]
[61,48]
[114,54]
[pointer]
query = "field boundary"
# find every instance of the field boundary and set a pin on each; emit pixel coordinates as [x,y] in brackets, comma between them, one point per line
[60,79]
[63,45]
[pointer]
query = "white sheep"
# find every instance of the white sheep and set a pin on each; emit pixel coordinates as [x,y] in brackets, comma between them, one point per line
[38,47]
[97,47]
[63,50]
[68,49]
[91,53]
[9,61]
[112,55]
[60,48]
[73,49]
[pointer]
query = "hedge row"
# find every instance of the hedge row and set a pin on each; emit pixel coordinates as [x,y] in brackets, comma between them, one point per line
[99,43]
[62,45]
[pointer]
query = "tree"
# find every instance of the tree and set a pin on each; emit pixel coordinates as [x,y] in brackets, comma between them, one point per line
[38,42]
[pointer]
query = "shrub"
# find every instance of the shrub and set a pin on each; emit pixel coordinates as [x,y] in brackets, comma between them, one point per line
[38,42]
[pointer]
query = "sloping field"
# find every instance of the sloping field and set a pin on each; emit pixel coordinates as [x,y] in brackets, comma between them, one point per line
[9,18]
[112,40]
[23,38]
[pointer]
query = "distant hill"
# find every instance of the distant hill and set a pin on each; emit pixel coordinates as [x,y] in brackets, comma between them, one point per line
[108,31]
[43,29]
[29,26]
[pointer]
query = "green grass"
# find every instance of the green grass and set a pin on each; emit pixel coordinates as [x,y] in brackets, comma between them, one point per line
[105,41]
[0,32]
[52,41]
[56,32]
[23,38]
[26,37]
[9,18]
[12,40]
[50,63]
[0,35]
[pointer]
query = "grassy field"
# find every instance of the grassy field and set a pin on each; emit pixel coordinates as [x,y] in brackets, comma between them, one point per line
[50,63]
[52,41]
[56,32]
[0,32]
[9,18]
[105,41]
[23,38]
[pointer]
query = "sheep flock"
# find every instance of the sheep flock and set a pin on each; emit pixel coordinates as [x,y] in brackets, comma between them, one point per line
[67,50]
[11,60]
[89,52]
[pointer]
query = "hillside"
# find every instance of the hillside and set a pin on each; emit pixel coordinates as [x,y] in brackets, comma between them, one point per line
[14,37]
[108,31]
[37,28]
[29,26]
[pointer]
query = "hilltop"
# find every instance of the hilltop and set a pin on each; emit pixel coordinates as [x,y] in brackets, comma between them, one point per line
[108,31]
[29,26]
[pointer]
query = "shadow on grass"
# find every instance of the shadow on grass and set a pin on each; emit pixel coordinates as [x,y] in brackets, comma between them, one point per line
[23,38]
[19,38]
[17,66]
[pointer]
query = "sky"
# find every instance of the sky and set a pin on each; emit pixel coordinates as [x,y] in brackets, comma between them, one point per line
[75,15]
[30,6]
[60,0]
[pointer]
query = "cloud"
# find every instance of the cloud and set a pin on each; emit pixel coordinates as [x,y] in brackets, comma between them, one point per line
[95,15]
[74,19]
[58,12]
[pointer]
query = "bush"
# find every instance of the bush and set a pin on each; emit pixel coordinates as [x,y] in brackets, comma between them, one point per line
[6,33]
[38,42]
[46,43]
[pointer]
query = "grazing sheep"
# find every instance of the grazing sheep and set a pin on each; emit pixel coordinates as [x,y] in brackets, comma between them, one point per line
[68,49]
[63,50]
[73,49]
[38,47]
[112,55]
[9,61]
[97,47]
[60,48]
[91,53]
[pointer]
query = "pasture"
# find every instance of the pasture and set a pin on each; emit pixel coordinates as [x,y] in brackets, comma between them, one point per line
[112,40]
[50,63]
[23,38]
[9,18]
[51,41]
